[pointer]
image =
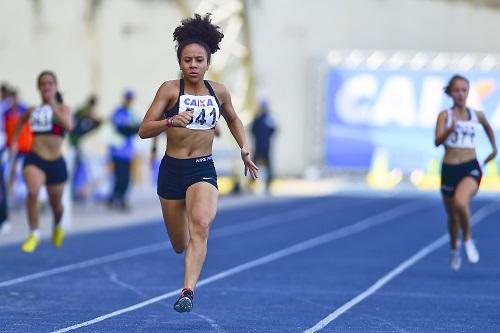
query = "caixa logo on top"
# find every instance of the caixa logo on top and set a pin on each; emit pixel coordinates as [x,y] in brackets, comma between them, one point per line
[394,110]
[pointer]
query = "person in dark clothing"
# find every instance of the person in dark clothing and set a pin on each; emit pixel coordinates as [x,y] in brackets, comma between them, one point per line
[263,129]
[127,127]
[5,102]
[85,122]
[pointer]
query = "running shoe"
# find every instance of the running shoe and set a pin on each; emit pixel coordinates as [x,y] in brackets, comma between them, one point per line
[471,251]
[185,301]
[57,237]
[455,260]
[30,244]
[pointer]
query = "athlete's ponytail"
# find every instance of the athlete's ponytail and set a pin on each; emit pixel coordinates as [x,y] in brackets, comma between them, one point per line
[59,98]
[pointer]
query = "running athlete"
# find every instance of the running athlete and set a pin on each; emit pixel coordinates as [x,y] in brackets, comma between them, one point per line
[189,109]
[456,129]
[44,165]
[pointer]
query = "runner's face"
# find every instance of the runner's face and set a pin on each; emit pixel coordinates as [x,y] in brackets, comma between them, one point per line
[47,87]
[194,62]
[459,92]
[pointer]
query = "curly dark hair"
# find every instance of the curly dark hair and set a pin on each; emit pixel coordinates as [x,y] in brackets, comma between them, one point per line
[447,89]
[200,30]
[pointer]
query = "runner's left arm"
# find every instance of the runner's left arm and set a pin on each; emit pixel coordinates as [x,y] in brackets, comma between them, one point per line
[491,136]
[237,130]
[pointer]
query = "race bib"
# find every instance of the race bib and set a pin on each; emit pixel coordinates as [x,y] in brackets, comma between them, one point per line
[205,111]
[41,119]
[463,136]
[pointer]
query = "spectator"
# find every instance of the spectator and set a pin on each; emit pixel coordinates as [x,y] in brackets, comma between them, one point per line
[127,126]
[263,129]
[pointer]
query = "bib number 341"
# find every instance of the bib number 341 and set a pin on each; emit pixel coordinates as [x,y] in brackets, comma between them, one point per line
[203,117]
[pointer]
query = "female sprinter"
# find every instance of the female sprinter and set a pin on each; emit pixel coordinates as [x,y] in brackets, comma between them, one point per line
[461,173]
[44,165]
[188,109]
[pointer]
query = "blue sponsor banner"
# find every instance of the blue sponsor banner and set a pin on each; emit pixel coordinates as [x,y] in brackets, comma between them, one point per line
[394,112]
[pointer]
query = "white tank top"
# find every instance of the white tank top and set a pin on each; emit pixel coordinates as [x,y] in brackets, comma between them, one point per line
[464,135]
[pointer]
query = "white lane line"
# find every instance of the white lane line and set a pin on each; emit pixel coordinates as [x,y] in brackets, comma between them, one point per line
[275,219]
[113,277]
[425,251]
[251,225]
[213,324]
[299,247]
[87,263]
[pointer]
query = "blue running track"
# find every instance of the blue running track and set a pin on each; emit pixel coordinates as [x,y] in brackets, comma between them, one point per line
[330,264]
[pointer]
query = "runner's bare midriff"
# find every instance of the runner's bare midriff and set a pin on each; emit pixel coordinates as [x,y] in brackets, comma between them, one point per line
[186,143]
[458,155]
[47,146]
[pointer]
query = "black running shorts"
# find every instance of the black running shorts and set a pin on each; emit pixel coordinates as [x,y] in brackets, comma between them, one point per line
[176,175]
[55,171]
[452,174]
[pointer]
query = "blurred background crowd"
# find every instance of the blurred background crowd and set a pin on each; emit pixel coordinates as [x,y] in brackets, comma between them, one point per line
[335,94]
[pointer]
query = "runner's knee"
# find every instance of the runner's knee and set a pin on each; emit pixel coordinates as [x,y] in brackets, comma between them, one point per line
[200,226]
[179,248]
[461,205]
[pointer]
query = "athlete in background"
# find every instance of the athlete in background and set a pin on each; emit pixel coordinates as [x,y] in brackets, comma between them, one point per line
[461,173]
[45,165]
